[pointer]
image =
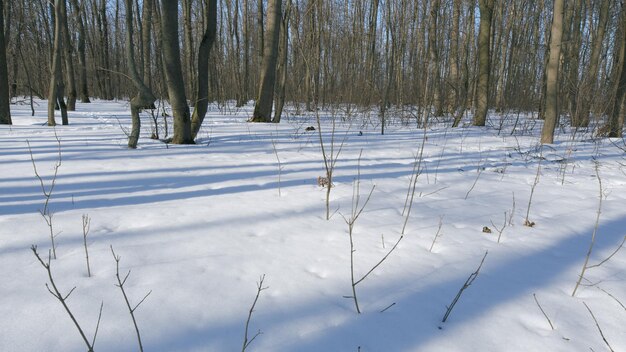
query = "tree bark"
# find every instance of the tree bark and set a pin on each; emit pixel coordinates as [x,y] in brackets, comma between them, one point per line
[616,117]
[265,98]
[552,74]
[5,111]
[144,98]
[69,67]
[589,85]
[204,51]
[82,57]
[55,74]
[484,66]
[174,73]
[281,70]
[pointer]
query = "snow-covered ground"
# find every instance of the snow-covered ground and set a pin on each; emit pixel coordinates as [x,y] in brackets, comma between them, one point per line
[197,226]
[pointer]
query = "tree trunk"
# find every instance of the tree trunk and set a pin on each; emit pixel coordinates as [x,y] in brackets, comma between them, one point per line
[589,85]
[69,66]
[5,111]
[616,118]
[204,51]
[55,74]
[281,71]
[265,98]
[146,26]
[453,80]
[144,98]
[484,66]
[174,73]
[82,58]
[552,75]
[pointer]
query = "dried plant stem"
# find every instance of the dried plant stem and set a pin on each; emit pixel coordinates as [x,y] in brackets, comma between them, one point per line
[410,194]
[527,222]
[467,284]
[47,193]
[479,171]
[280,167]
[599,328]
[63,300]
[330,158]
[86,226]
[593,235]
[247,341]
[120,284]
[542,311]
[436,234]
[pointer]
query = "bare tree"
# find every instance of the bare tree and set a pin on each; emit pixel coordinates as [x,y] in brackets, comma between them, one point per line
[5,111]
[484,67]
[552,75]
[174,73]
[144,98]
[265,97]
[201,106]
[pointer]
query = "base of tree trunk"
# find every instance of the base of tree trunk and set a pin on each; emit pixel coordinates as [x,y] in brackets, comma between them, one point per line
[259,119]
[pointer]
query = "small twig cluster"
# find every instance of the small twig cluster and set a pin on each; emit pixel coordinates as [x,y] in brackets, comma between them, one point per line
[63,300]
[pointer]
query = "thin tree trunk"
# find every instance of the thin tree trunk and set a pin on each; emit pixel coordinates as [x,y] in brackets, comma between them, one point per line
[82,58]
[174,73]
[616,118]
[55,74]
[484,38]
[69,67]
[5,111]
[591,75]
[204,52]
[552,75]
[265,99]
[146,31]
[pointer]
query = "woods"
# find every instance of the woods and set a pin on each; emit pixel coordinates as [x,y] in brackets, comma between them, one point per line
[415,59]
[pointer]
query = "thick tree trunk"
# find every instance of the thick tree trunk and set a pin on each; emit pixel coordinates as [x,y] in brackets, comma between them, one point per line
[552,75]
[5,111]
[174,73]
[204,51]
[281,71]
[265,98]
[484,66]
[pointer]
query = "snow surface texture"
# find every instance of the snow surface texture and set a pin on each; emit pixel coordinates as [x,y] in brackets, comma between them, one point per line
[198,226]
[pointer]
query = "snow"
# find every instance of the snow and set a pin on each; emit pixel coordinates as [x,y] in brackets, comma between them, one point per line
[199,225]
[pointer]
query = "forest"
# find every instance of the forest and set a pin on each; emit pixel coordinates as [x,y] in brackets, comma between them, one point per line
[563,60]
[312,175]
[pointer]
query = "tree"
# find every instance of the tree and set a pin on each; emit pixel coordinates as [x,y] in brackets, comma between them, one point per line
[174,73]
[204,51]
[5,111]
[82,57]
[144,98]
[265,97]
[552,74]
[56,80]
[616,117]
[484,66]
